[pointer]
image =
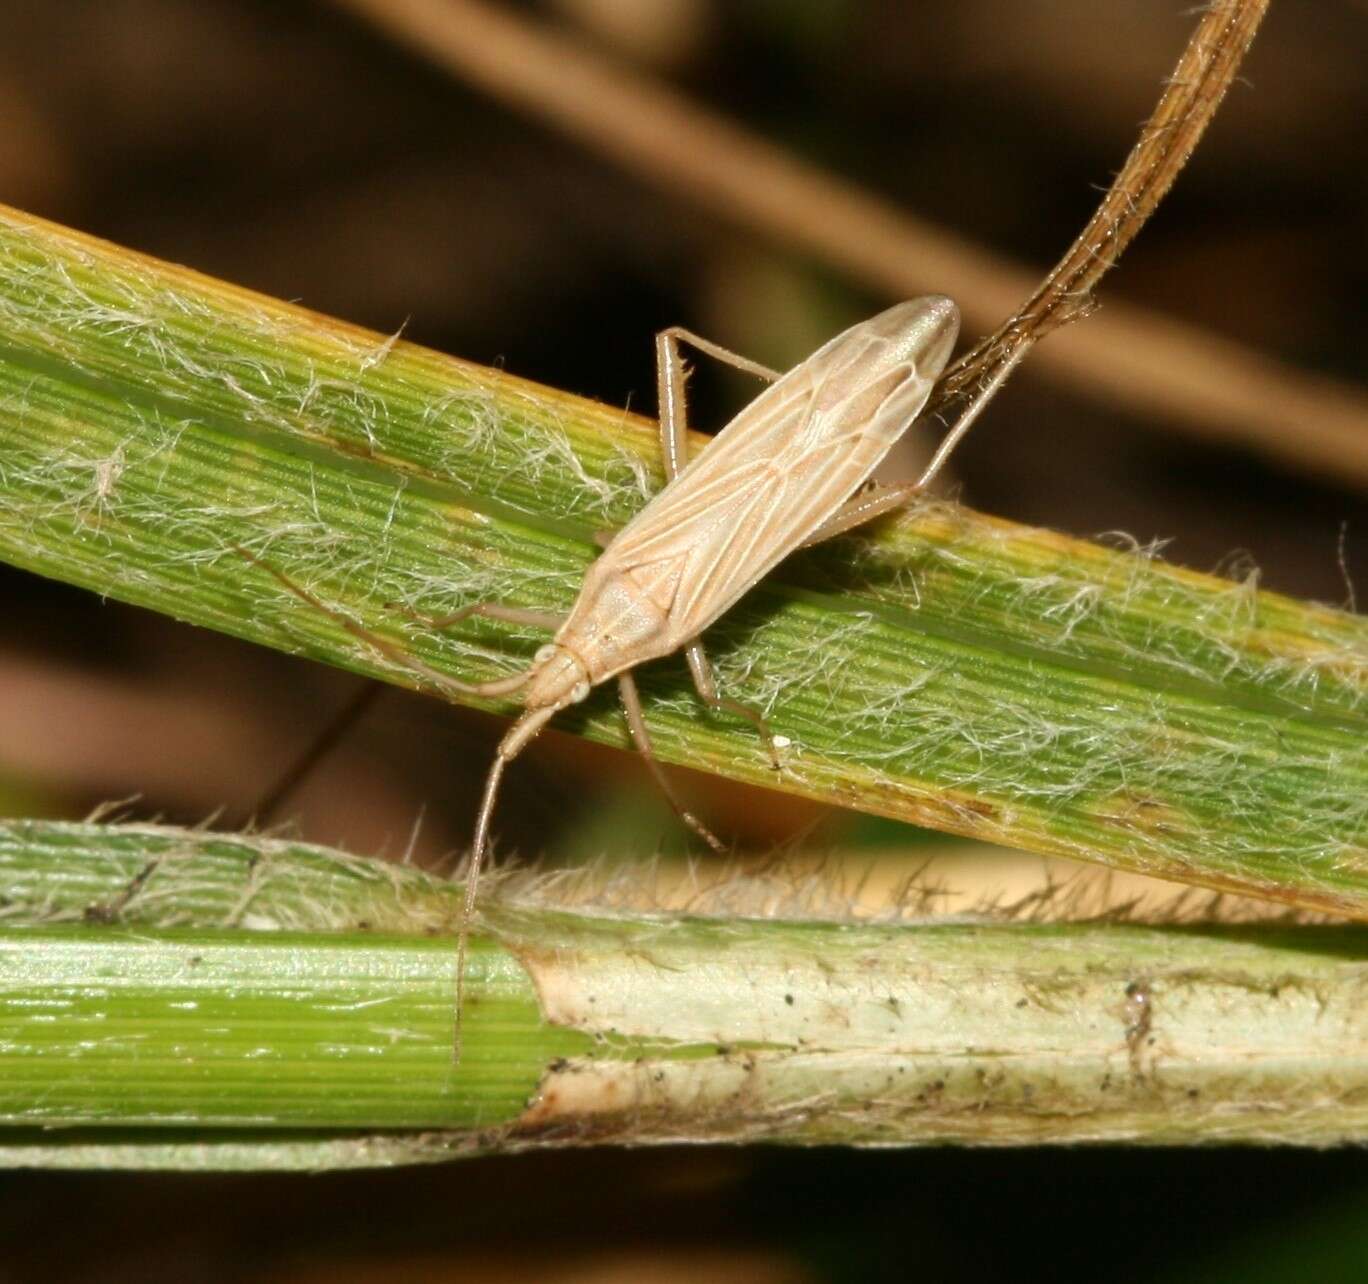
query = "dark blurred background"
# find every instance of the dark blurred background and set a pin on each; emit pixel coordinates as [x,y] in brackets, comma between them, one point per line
[290,148]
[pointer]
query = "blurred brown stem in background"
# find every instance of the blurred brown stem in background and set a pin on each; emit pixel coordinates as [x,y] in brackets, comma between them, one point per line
[1212,387]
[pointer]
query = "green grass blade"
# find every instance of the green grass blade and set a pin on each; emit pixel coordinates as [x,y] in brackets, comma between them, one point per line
[171,998]
[952,670]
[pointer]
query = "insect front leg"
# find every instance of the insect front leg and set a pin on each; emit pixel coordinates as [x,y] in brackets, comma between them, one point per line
[641,737]
[549,620]
[392,651]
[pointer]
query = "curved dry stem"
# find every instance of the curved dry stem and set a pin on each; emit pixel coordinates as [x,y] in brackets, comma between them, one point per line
[1195,90]
[1150,363]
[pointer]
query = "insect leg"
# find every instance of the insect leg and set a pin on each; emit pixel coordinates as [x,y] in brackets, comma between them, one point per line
[706,686]
[670,376]
[390,650]
[333,733]
[863,508]
[636,724]
[982,397]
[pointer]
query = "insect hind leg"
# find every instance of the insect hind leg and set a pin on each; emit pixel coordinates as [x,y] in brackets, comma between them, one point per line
[878,500]
[865,507]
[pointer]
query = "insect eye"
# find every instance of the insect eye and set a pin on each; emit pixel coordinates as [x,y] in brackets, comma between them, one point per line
[578,692]
[544,653]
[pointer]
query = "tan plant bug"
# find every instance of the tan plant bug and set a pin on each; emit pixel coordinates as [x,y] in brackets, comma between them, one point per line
[788,471]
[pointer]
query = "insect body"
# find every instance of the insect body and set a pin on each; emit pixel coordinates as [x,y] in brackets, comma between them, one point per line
[783,474]
[769,482]
[788,471]
[779,476]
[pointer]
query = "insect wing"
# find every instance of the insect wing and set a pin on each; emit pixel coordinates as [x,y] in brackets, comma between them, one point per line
[784,465]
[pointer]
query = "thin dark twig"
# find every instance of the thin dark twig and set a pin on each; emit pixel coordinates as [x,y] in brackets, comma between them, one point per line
[323,743]
[1205,71]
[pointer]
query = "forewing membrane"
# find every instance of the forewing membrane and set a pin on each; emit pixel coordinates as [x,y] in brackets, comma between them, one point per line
[765,483]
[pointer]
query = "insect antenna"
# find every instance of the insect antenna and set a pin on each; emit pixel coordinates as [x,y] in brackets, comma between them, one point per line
[521,732]
[390,650]
[512,744]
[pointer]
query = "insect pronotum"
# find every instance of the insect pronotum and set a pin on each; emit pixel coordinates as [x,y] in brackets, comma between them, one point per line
[788,471]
